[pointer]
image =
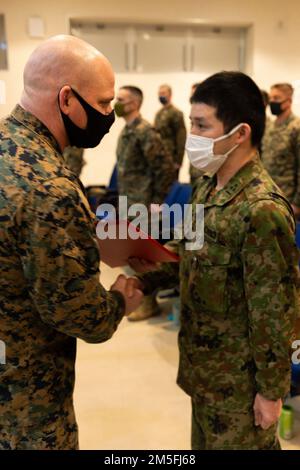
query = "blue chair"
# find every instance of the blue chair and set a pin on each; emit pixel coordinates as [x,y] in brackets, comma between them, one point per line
[179,194]
[295,385]
[295,380]
[103,194]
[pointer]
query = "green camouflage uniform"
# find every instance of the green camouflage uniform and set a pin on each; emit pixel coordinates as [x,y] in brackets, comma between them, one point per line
[239,302]
[281,156]
[169,122]
[145,169]
[74,159]
[194,175]
[49,287]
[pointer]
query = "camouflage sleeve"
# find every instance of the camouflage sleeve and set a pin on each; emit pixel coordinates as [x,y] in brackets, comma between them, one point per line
[296,145]
[161,164]
[60,259]
[180,138]
[166,277]
[74,159]
[271,278]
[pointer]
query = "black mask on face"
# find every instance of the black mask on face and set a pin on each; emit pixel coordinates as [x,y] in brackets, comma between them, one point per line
[98,125]
[163,100]
[275,107]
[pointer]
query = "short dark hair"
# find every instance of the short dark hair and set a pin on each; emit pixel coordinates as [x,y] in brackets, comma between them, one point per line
[237,99]
[135,91]
[266,97]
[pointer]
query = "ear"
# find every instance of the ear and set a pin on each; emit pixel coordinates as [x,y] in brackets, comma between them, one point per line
[64,98]
[244,133]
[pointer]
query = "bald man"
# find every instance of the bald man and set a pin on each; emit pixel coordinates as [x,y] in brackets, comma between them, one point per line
[49,284]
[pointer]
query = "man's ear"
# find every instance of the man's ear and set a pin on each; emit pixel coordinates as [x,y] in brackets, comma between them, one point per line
[244,133]
[64,99]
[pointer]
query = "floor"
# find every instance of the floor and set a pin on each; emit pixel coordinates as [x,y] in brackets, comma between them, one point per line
[126,396]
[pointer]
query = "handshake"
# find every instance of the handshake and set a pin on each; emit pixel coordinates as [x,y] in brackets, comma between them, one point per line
[132,288]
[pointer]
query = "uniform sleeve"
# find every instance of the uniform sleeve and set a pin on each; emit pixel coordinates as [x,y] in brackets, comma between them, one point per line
[60,259]
[160,163]
[271,281]
[296,149]
[180,132]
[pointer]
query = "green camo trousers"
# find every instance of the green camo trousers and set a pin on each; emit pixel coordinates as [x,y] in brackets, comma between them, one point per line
[213,429]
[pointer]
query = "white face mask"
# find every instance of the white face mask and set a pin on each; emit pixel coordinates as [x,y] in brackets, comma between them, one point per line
[200,151]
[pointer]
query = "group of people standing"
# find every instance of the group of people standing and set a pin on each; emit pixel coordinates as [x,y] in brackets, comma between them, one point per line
[239,293]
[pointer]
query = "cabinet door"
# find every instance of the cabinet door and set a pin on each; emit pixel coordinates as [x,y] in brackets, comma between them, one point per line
[213,52]
[111,40]
[160,50]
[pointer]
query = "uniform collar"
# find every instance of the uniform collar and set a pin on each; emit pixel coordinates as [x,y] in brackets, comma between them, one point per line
[235,185]
[135,122]
[286,122]
[32,123]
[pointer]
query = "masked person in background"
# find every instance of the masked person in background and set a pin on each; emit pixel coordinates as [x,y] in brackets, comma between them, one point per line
[50,292]
[281,144]
[145,168]
[239,292]
[169,122]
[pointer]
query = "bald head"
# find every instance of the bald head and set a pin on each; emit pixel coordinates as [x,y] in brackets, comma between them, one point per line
[60,64]
[64,60]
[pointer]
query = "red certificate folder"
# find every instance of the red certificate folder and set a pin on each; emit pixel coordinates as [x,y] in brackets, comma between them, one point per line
[116,251]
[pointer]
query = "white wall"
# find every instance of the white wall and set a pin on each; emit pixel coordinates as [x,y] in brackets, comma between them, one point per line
[273,45]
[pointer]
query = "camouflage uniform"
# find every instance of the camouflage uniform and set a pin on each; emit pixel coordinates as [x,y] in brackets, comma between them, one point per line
[145,169]
[74,159]
[239,303]
[281,156]
[49,287]
[194,175]
[169,122]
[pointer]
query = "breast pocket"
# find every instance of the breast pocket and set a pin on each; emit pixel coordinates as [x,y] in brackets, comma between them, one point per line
[208,278]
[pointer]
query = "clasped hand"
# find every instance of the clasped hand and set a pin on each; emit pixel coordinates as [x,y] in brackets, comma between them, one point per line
[131,289]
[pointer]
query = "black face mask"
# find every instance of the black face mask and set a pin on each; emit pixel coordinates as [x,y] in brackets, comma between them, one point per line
[98,125]
[275,107]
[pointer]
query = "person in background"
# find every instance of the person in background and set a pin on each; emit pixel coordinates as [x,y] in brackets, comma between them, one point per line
[281,144]
[145,168]
[169,122]
[50,292]
[265,96]
[240,290]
